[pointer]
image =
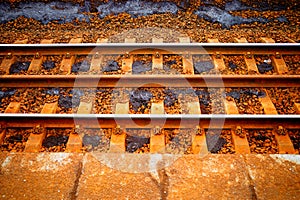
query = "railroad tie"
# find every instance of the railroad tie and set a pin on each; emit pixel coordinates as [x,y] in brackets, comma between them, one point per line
[128,60]
[35,139]
[187,60]
[189,104]
[102,40]
[127,63]
[251,63]
[199,145]
[97,59]
[85,108]
[279,63]
[157,139]
[75,41]
[194,107]
[285,145]
[267,104]
[13,107]
[49,108]
[218,61]
[217,57]
[46,41]
[230,107]
[267,40]
[122,103]
[66,64]
[6,63]
[21,41]
[157,108]
[117,141]
[122,108]
[157,40]
[184,40]
[36,63]
[68,60]
[130,40]
[74,143]
[240,141]
[96,63]
[240,40]
[118,138]
[157,59]
[212,40]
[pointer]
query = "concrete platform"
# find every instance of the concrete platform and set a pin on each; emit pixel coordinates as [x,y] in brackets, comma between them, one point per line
[210,177]
[39,176]
[100,181]
[275,176]
[148,176]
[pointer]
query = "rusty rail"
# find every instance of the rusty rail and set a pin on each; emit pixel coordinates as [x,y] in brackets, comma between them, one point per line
[148,120]
[117,81]
[197,123]
[148,48]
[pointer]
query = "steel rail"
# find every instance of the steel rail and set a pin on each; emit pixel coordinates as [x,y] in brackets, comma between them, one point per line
[149,48]
[147,116]
[148,121]
[152,80]
[154,45]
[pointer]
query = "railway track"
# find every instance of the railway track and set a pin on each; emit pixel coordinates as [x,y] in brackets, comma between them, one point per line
[189,110]
[101,130]
[120,126]
[158,54]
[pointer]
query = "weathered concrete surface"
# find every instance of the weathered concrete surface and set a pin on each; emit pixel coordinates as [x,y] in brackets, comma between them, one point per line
[120,176]
[275,176]
[39,175]
[148,176]
[210,177]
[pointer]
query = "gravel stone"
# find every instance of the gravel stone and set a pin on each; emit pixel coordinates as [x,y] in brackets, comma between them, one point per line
[47,65]
[17,67]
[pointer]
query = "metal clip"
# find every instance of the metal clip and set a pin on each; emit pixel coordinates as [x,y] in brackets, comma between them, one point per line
[118,130]
[77,129]
[218,55]
[156,130]
[97,54]
[198,130]
[37,55]
[38,129]
[238,131]
[157,55]
[248,55]
[186,55]
[68,55]
[281,130]
[277,55]
[9,56]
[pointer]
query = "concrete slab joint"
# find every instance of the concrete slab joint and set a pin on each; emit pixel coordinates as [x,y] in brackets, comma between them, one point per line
[148,176]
